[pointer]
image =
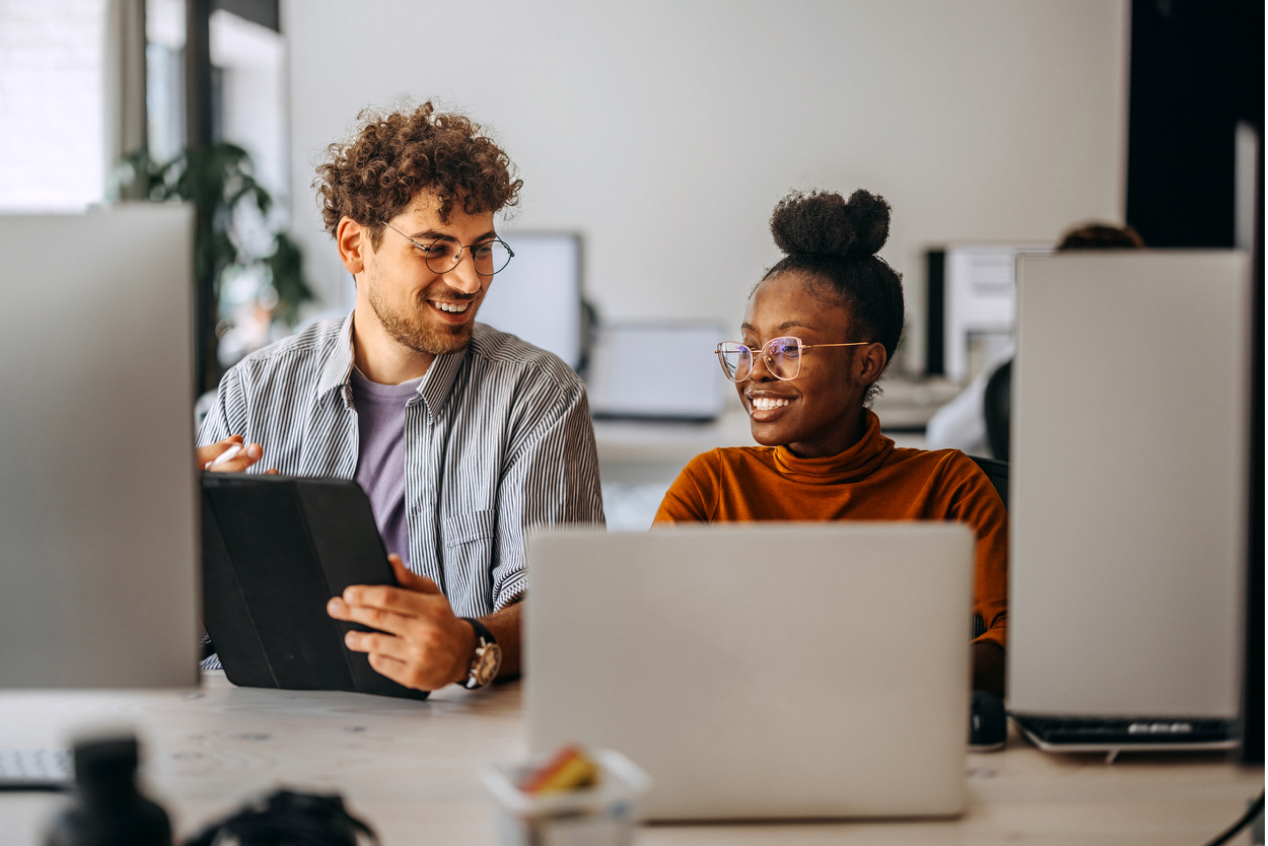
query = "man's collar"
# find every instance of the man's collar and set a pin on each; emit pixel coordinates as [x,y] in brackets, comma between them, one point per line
[338,368]
[438,383]
[434,389]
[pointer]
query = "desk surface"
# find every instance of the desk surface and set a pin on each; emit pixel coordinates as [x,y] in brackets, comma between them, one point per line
[410,769]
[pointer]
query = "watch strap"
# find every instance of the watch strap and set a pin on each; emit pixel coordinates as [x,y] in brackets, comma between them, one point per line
[481,630]
[485,642]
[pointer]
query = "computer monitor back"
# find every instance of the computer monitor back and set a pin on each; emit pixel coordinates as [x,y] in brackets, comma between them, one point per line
[760,670]
[98,552]
[1128,484]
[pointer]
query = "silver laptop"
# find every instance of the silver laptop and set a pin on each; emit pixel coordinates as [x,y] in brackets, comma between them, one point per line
[760,670]
[1128,512]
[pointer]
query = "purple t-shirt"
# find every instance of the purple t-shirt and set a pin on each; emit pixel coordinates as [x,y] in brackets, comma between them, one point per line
[381,454]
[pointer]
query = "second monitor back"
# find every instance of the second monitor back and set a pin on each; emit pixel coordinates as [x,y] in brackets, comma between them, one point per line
[98,516]
[1128,484]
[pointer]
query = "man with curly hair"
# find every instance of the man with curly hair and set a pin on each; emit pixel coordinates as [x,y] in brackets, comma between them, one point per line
[462,436]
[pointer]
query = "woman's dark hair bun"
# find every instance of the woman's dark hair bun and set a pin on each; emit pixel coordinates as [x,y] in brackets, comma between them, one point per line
[832,243]
[825,223]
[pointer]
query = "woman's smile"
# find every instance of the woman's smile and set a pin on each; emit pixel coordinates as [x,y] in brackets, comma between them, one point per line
[765,406]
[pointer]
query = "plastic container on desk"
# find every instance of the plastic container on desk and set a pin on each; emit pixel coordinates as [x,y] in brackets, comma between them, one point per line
[603,815]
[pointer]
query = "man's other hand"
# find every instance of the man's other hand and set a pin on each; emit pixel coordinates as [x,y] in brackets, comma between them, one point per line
[247,455]
[420,643]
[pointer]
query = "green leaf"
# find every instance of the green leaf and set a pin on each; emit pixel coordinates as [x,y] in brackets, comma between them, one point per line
[215,179]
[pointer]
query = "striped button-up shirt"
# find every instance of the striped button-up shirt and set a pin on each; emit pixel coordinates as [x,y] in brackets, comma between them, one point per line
[498,440]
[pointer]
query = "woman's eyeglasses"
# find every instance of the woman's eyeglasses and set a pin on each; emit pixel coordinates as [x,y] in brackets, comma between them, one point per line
[782,357]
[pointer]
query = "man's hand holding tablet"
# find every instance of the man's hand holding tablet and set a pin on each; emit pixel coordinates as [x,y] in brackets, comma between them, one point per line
[421,643]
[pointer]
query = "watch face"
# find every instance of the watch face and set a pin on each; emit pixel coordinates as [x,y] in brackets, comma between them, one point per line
[487,664]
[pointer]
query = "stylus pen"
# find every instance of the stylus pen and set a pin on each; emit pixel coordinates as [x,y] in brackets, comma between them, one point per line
[227,455]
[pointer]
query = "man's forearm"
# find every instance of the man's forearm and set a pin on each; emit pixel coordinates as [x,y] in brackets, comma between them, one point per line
[505,627]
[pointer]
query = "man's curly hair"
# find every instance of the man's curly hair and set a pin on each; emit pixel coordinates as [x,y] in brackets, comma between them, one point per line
[374,177]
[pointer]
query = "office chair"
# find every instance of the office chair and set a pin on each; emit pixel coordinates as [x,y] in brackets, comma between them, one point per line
[997,410]
[997,472]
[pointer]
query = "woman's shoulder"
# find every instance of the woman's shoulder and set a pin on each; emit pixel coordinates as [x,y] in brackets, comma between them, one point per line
[929,458]
[950,466]
[952,477]
[703,482]
[716,461]
[710,470]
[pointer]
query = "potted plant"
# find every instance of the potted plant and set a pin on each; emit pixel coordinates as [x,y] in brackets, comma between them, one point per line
[217,179]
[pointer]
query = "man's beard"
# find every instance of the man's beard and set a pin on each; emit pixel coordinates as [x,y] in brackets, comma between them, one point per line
[414,331]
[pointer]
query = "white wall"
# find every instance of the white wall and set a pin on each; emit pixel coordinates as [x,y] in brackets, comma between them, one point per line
[666,131]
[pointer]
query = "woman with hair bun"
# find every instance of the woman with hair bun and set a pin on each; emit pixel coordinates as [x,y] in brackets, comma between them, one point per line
[820,328]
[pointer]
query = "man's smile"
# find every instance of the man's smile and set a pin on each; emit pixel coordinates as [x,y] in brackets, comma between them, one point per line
[451,311]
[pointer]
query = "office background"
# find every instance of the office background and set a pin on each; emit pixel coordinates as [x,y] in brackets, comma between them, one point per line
[665,132]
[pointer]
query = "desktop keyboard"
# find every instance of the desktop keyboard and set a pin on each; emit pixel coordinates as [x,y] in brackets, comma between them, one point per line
[1125,733]
[36,769]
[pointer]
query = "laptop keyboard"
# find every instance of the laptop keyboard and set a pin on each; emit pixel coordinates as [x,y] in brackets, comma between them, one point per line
[1117,730]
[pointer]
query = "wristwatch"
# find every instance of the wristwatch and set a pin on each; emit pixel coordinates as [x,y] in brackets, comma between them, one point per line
[487,658]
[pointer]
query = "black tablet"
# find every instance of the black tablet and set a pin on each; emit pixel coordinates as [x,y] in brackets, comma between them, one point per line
[275,550]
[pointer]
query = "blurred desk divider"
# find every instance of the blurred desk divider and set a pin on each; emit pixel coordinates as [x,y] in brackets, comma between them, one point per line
[656,371]
[538,296]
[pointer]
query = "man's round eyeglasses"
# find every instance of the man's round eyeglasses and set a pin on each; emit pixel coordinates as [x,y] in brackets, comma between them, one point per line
[443,254]
[782,357]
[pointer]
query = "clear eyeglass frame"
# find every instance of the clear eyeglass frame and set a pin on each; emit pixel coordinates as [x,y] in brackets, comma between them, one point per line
[489,257]
[782,357]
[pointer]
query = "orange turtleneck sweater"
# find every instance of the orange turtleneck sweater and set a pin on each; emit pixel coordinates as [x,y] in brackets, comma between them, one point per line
[872,480]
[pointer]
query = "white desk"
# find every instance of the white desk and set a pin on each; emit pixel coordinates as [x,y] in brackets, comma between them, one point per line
[410,769]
